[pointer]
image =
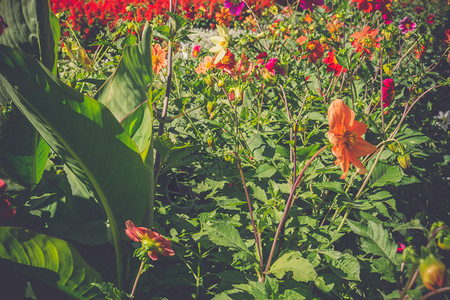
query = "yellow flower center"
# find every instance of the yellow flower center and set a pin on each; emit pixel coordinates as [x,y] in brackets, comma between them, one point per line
[223,43]
[226,60]
[349,139]
[208,65]
[389,7]
[407,25]
[311,47]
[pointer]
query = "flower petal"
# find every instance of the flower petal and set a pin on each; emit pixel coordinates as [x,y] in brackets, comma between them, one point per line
[362,148]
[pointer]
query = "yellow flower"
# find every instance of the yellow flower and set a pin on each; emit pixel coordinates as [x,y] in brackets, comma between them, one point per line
[220,43]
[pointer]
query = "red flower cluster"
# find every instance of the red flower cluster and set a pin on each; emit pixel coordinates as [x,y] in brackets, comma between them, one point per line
[383,6]
[333,65]
[84,14]
[6,210]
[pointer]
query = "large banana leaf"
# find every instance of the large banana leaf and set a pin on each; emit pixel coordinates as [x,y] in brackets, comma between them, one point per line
[34,29]
[49,259]
[83,132]
[127,87]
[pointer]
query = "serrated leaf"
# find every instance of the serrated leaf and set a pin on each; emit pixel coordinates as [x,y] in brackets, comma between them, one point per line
[49,259]
[413,224]
[385,174]
[343,264]
[376,239]
[302,269]
[226,235]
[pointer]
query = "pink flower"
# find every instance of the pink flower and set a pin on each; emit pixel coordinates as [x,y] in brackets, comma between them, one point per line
[152,241]
[406,25]
[385,7]
[308,4]
[234,6]
[3,186]
[196,50]
[418,10]
[400,248]
[430,19]
[387,91]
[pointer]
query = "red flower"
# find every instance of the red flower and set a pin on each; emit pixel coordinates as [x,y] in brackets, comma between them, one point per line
[385,7]
[196,50]
[430,19]
[3,186]
[447,36]
[151,240]
[261,55]
[400,248]
[388,91]
[418,10]
[365,5]
[6,210]
[333,65]
[315,50]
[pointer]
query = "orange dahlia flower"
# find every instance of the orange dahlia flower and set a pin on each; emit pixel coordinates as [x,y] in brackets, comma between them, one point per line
[365,40]
[159,60]
[205,65]
[223,17]
[345,135]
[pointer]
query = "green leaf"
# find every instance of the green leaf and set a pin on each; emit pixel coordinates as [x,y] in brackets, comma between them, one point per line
[265,171]
[376,240]
[32,28]
[413,224]
[385,174]
[127,87]
[224,234]
[302,269]
[244,260]
[49,259]
[330,185]
[84,133]
[29,29]
[328,282]
[343,264]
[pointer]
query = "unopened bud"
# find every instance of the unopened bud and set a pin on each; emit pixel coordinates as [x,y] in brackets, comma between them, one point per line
[404,161]
[433,272]
[208,80]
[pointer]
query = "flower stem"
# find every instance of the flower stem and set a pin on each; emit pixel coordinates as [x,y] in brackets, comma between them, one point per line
[136,280]
[288,207]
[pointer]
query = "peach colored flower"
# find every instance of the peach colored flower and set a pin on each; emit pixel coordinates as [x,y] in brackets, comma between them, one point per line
[159,60]
[205,65]
[345,135]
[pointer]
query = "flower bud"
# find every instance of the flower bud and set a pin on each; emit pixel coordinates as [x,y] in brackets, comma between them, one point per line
[210,107]
[404,161]
[444,242]
[433,272]
[221,83]
[208,80]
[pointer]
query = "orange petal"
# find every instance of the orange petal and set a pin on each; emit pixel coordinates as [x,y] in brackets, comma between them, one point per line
[358,127]
[360,168]
[340,116]
[362,147]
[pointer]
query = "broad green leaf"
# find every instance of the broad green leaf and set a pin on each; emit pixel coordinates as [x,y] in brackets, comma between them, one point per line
[49,259]
[376,240]
[265,171]
[343,264]
[328,282]
[330,185]
[257,146]
[128,86]
[84,133]
[138,124]
[32,28]
[29,29]
[80,130]
[224,234]
[302,269]
[244,260]
[385,174]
